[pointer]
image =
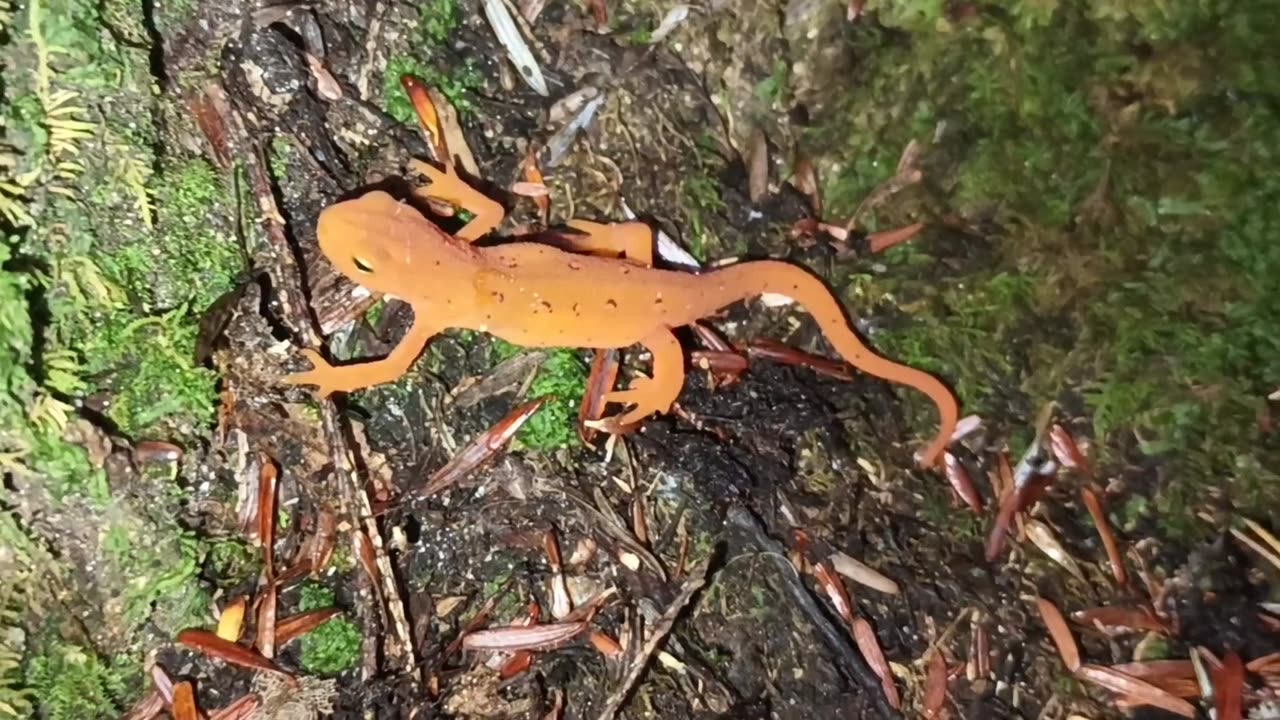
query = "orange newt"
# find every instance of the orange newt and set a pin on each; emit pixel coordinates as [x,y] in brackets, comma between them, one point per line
[601,292]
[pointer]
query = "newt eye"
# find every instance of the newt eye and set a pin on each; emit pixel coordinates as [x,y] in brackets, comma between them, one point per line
[362,265]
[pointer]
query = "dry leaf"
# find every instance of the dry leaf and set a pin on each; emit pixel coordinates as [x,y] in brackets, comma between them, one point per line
[861,574]
[1135,691]
[1060,632]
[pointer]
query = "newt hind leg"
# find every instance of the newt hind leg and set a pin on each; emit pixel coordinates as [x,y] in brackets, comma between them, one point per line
[654,394]
[447,187]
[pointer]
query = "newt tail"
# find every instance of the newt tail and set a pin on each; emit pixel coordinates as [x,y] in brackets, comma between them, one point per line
[750,279]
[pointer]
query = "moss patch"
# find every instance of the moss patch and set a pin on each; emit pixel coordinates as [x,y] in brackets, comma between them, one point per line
[562,379]
[1128,212]
[73,684]
[334,646]
[427,58]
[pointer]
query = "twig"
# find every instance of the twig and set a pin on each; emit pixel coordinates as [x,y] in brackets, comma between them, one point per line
[852,664]
[657,635]
[364,73]
[293,303]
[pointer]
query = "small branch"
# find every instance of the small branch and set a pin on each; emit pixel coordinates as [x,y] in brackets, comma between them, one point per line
[295,310]
[659,633]
[851,664]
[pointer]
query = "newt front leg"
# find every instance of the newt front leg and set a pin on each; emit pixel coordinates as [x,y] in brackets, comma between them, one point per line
[447,187]
[345,378]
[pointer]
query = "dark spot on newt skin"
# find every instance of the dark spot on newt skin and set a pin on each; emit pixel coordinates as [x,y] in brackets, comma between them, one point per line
[575,265]
[657,301]
[611,303]
[545,304]
[576,308]
[498,296]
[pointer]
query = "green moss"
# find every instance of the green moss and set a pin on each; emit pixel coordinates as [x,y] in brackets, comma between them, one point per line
[281,153]
[16,699]
[438,21]
[562,379]
[159,564]
[1132,261]
[198,261]
[70,683]
[233,560]
[332,647]
[456,84]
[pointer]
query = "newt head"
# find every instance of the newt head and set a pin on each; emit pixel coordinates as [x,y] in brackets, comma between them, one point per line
[379,243]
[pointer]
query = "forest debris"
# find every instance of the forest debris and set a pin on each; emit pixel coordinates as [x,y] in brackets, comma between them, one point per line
[965,427]
[241,709]
[979,664]
[907,175]
[156,451]
[1109,543]
[757,166]
[960,481]
[604,644]
[1115,620]
[327,87]
[862,574]
[210,109]
[804,178]
[935,685]
[869,645]
[1177,677]
[266,630]
[558,145]
[780,353]
[234,653]
[538,638]
[1228,688]
[267,513]
[603,376]
[836,592]
[851,663]
[428,118]
[672,20]
[507,375]
[600,14]
[657,634]
[147,708]
[531,9]
[1061,633]
[481,449]
[1257,547]
[323,540]
[561,603]
[881,241]
[302,623]
[287,279]
[184,702]
[1067,451]
[1135,691]
[1042,537]
[504,28]
[231,622]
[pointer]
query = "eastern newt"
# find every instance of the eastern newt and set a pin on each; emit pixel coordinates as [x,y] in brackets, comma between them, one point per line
[536,295]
